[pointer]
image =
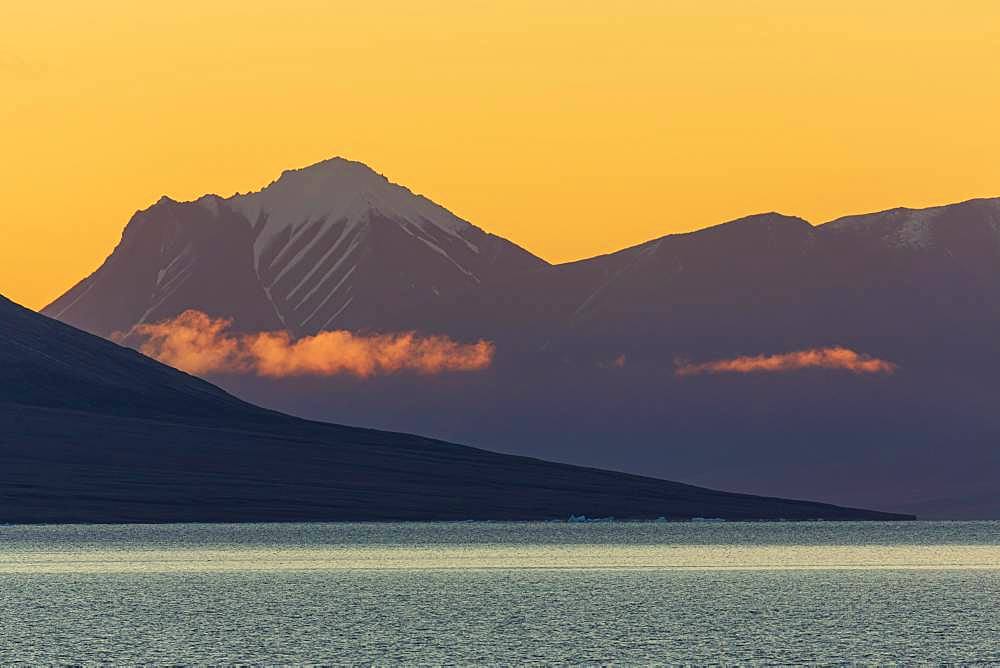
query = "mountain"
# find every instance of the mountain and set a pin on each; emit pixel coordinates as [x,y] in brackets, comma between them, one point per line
[758,284]
[331,246]
[624,301]
[586,352]
[94,432]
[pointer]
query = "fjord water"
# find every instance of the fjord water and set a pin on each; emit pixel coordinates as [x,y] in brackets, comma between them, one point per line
[501,593]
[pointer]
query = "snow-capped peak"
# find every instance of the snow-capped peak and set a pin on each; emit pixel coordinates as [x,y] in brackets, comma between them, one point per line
[338,189]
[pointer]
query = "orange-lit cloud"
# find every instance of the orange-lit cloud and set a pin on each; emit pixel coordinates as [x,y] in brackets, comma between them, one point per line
[199,344]
[815,358]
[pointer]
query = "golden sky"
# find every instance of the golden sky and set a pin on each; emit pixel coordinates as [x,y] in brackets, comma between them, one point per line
[571,127]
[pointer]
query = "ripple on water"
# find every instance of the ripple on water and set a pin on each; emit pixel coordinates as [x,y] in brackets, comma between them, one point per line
[500,593]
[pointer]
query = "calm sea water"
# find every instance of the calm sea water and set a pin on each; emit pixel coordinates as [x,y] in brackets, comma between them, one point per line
[486,593]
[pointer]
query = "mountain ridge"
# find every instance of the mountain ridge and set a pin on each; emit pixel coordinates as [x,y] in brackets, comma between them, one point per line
[317,293]
[586,351]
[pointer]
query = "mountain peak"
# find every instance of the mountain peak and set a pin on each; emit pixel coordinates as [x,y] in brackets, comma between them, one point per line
[768,219]
[335,169]
[339,189]
[333,244]
[769,225]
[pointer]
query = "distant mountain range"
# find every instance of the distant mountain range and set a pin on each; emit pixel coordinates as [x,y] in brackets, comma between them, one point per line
[94,432]
[586,352]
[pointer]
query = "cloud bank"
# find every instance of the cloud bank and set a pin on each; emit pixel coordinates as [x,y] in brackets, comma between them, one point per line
[814,358]
[200,344]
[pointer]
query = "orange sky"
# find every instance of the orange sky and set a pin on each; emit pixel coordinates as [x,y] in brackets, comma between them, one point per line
[572,127]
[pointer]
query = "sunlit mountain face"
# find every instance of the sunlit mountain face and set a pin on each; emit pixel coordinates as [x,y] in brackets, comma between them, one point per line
[853,361]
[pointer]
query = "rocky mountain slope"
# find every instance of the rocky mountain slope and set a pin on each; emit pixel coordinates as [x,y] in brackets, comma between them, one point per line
[331,246]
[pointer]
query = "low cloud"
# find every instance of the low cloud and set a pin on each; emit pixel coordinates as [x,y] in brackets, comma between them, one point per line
[200,344]
[815,358]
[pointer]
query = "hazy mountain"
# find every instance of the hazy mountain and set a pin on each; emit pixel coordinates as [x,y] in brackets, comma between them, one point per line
[757,284]
[331,246]
[586,352]
[631,299]
[94,432]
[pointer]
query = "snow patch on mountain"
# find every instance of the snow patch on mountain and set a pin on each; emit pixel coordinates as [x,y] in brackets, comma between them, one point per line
[337,189]
[310,222]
